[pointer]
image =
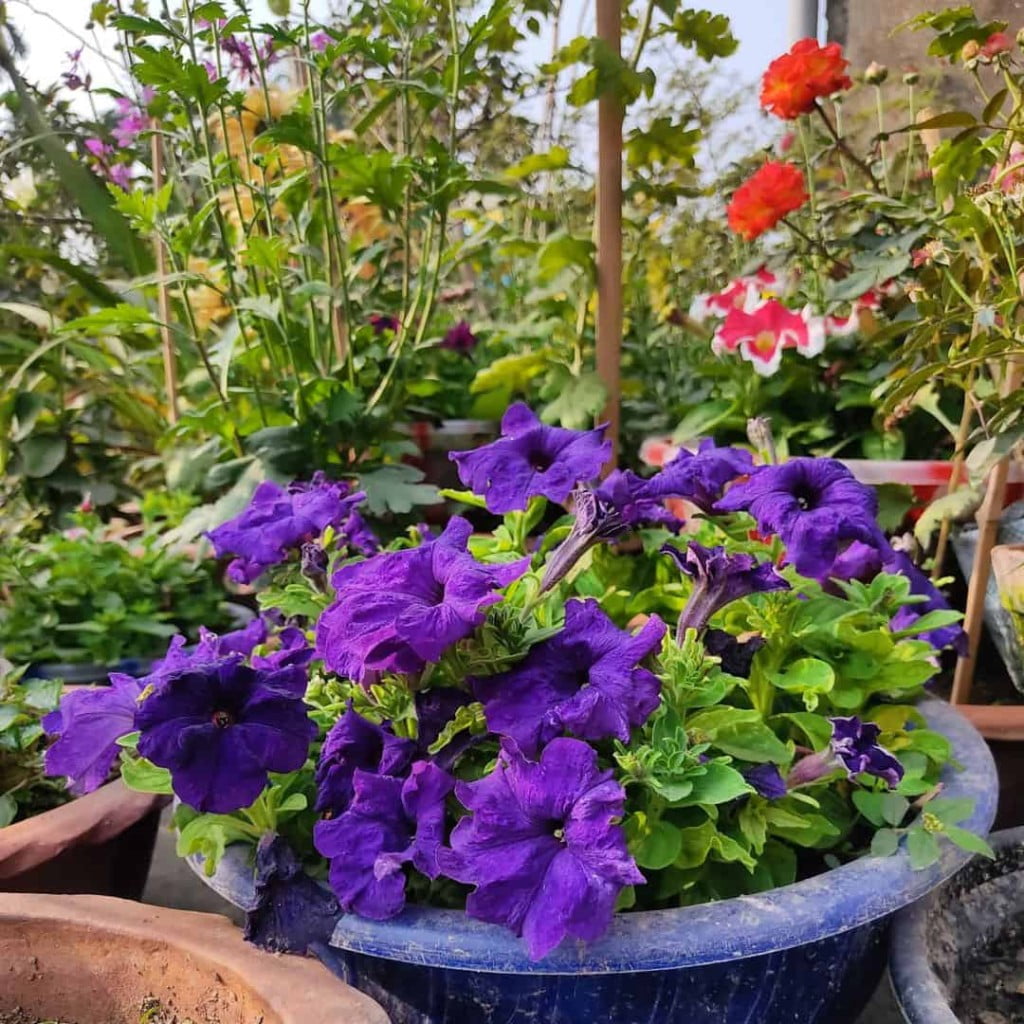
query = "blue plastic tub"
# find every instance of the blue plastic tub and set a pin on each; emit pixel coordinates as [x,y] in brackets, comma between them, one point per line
[808,953]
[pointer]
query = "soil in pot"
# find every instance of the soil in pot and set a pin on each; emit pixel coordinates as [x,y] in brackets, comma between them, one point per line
[151,1011]
[993,987]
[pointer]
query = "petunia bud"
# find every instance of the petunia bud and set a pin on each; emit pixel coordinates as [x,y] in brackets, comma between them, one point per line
[314,564]
[279,7]
[759,432]
[875,73]
[912,78]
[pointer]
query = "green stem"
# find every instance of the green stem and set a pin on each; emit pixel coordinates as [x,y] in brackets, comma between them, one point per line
[910,143]
[843,146]
[880,110]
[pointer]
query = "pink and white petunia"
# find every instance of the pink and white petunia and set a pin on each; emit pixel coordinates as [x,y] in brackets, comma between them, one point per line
[746,293]
[761,336]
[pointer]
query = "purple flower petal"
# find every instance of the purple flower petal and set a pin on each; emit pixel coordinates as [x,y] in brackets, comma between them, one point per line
[88,723]
[219,728]
[541,845]
[531,459]
[401,609]
[585,680]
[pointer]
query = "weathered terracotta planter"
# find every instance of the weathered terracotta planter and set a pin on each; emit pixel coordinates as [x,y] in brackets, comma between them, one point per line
[101,843]
[96,960]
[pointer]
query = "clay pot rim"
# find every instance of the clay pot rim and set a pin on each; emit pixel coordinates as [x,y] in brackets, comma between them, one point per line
[88,820]
[298,990]
[803,913]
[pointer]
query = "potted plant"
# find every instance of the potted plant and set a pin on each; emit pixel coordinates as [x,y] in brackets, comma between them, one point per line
[97,597]
[582,744]
[101,843]
[97,960]
[955,956]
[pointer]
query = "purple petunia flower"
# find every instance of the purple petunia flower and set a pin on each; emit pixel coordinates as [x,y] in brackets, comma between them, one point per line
[952,636]
[585,680]
[855,749]
[381,322]
[220,727]
[401,609]
[292,911]
[816,506]
[622,502]
[319,41]
[292,648]
[357,744]
[766,779]
[541,845]
[701,477]
[459,338]
[88,723]
[390,822]
[531,459]
[278,520]
[719,579]
[211,645]
[856,561]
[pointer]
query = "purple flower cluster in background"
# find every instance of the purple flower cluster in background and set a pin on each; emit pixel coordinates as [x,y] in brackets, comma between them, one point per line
[459,338]
[279,520]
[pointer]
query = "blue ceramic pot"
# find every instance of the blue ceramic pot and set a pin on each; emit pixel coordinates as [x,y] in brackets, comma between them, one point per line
[933,941]
[808,953]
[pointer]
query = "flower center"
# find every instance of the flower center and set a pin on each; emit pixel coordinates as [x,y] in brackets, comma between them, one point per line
[765,343]
[806,498]
[222,719]
[539,460]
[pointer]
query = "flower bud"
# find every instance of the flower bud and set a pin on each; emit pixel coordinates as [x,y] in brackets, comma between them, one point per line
[314,563]
[970,50]
[279,7]
[875,73]
[911,77]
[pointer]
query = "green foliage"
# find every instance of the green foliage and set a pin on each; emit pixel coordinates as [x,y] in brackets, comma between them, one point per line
[24,788]
[87,596]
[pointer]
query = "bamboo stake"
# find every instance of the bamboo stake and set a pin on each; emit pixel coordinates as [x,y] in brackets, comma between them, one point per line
[609,230]
[955,469]
[988,528]
[163,297]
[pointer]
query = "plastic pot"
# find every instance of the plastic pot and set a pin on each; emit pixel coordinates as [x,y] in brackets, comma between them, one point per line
[96,960]
[933,941]
[101,843]
[998,621]
[807,953]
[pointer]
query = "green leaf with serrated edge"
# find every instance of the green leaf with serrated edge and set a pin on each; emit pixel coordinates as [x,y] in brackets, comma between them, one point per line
[923,848]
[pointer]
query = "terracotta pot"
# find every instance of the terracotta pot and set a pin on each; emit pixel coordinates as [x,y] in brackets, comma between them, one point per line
[101,843]
[96,960]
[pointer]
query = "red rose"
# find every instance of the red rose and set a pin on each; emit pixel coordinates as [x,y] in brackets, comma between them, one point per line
[765,198]
[796,79]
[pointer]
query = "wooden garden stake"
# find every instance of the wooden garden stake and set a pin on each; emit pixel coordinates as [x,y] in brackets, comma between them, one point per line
[988,527]
[609,229]
[163,297]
